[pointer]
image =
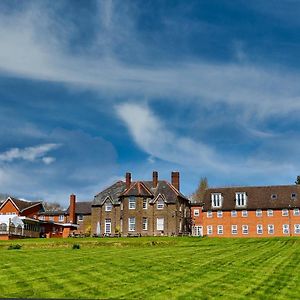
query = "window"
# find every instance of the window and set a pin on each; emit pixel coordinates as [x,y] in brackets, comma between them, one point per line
[108,206]
[293,196]
[245,229]
[284,212]
[196,213]
[209,230]
[145,203]
[220,229]
[3,227]
[219,214]
[61,218]
[42,218]
[274,196]
[233,213]
[233,229]
[244,213]
[296,212]
[259,229]
[270,212]
[216,199]
[131,224]
[131,203]
[160,224]
[285,229]
[258,212]
[121,205]
[209,214]
[80,217]
[240,199]
[160,204]
[145,223]
[51,218]
[270,229]
[297,228]
[108,226]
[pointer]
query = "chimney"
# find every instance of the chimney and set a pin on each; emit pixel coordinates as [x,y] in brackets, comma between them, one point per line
[128,180]
[72,218]
[155,178]
[175,180]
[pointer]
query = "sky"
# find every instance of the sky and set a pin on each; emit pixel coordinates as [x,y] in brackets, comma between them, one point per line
[90,90]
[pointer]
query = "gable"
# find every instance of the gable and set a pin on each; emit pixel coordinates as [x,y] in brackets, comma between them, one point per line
[8,207]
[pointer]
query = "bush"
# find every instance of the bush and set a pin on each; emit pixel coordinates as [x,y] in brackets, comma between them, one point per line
[15,247]
[76,246]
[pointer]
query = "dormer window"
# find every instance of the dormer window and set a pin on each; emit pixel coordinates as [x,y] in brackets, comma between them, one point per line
[216,200]
[160,204]
[108,206]
[293,196]
[240,199]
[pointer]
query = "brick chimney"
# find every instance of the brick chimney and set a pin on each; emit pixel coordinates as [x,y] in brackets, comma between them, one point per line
[128,180]
[155,178]
[175,180]
[72,217]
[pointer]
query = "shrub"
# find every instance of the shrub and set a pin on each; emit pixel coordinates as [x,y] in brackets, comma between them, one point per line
[15,247]
[76,246]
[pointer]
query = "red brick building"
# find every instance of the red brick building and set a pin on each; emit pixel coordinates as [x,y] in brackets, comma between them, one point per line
[141,208]
[262,211]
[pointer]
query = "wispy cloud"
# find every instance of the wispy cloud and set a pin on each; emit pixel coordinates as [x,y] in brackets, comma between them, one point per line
[30,153]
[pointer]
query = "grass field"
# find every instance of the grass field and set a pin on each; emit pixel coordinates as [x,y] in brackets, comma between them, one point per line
[152,268]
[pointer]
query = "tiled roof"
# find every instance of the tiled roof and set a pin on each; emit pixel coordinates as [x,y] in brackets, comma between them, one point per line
[83,208]
[53,212]
[258,197]
[22,204]
[138,188]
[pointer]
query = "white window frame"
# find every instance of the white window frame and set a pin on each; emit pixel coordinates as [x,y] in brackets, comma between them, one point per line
[108,206]
[244,213]
[297,228]
[219,214]
[259,229]
[240,199]
[121,206]
[160,204]
[209,229]
[233,213]
[296,212]
[286,229]
[196,212]
[270,213]
[107,226]
[131,224]
[216,200]
[145,223]
[258,213]
[220,229]
[245,229]
[160,224]
[145,203]
[271,229]
[61,218]
[51,218]
[234,229]
[285,212]
[209,214]
[80,217]
[131,202]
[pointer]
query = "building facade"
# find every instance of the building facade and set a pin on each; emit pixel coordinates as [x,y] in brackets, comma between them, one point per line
[141,208]
[262,211]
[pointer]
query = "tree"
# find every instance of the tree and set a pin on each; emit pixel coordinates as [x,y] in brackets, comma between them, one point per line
[297,180]
[52,206]
[198,195]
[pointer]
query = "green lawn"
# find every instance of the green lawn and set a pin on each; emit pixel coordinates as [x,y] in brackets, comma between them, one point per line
[152,268]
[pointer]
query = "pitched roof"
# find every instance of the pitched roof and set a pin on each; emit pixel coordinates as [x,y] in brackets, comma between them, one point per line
[21,205]
[258,197]
[82,208]
[139,188]
[113,192]
[53,212]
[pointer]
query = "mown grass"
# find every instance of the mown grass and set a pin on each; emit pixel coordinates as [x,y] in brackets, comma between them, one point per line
[151,268]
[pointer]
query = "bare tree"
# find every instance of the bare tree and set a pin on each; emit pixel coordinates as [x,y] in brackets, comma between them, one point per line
[198,195]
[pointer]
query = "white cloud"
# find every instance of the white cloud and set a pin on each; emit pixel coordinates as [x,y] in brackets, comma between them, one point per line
[29,153]
[48,160]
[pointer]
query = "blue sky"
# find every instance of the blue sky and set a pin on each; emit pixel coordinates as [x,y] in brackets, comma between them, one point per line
[90,90]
